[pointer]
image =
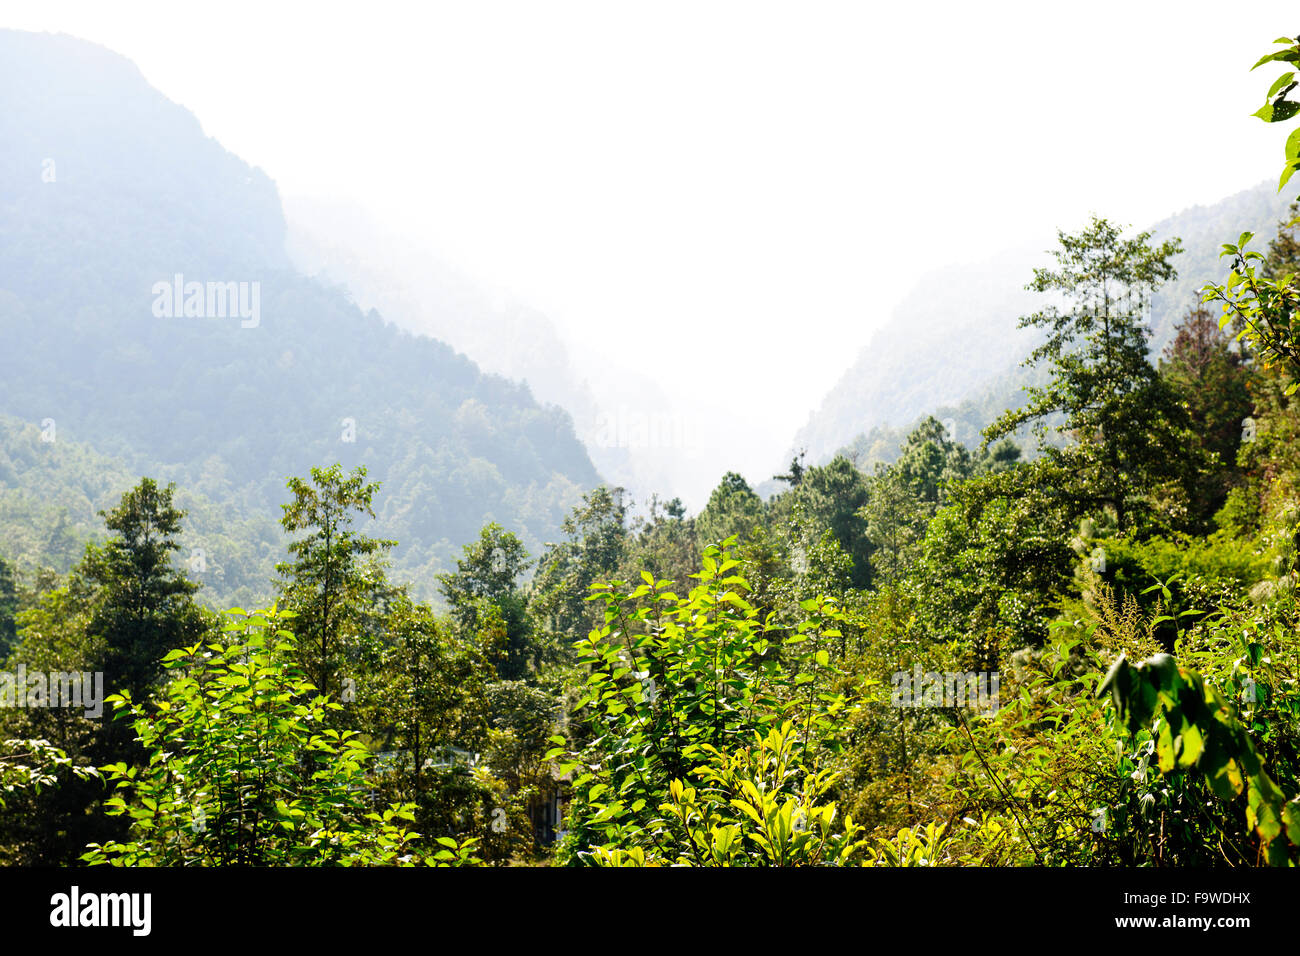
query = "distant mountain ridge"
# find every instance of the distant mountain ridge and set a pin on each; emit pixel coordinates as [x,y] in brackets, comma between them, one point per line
[107,189]
[953,348]
[612,404]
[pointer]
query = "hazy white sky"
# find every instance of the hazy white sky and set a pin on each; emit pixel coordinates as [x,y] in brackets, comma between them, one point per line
[731,196]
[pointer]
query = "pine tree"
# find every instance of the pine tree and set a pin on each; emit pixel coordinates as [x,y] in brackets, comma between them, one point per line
[144,606]
[1129,433]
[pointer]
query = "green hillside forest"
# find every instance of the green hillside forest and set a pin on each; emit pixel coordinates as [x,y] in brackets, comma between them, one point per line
[293,587]
[112,367]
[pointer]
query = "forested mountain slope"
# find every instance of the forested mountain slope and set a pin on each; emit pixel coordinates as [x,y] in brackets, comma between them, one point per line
[108,193]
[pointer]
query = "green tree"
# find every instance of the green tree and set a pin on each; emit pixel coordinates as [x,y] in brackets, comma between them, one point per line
[929,459]
[1269,456]
[895,523]
[122,608]
[144,606]
[487,576]
[904,496]
[335,582]
[828,498]
[8,608]
[596,544]
[245,770]
[424,701]
[1000,456]
[795,474]
[520,736]
[1209,379]
[663,542]
[1129,433]
[732,509]
[51,825]
[993,563]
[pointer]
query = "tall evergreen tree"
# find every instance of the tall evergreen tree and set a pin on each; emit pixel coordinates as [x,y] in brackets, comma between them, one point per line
[895,523]
[144,606]
[732,508]
[664,542]
[1130,434]
[828,498]
[928,459]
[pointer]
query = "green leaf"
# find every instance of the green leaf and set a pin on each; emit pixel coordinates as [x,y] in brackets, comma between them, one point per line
[1277,112]
[1191,744]
[1287,173]
[1262,815]
[748,809]
[1283,56]
[1291,817]
[1280,82]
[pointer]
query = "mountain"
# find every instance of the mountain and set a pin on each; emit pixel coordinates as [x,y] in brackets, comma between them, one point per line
[624,418]
[953,350]
[393,272]
[152,318]
[952,335]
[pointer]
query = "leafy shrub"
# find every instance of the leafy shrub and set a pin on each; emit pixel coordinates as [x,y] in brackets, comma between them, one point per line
[244,769]
[757,807]
[675,682]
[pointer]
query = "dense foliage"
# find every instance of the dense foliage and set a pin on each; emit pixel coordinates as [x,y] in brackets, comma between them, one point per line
[953,654]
